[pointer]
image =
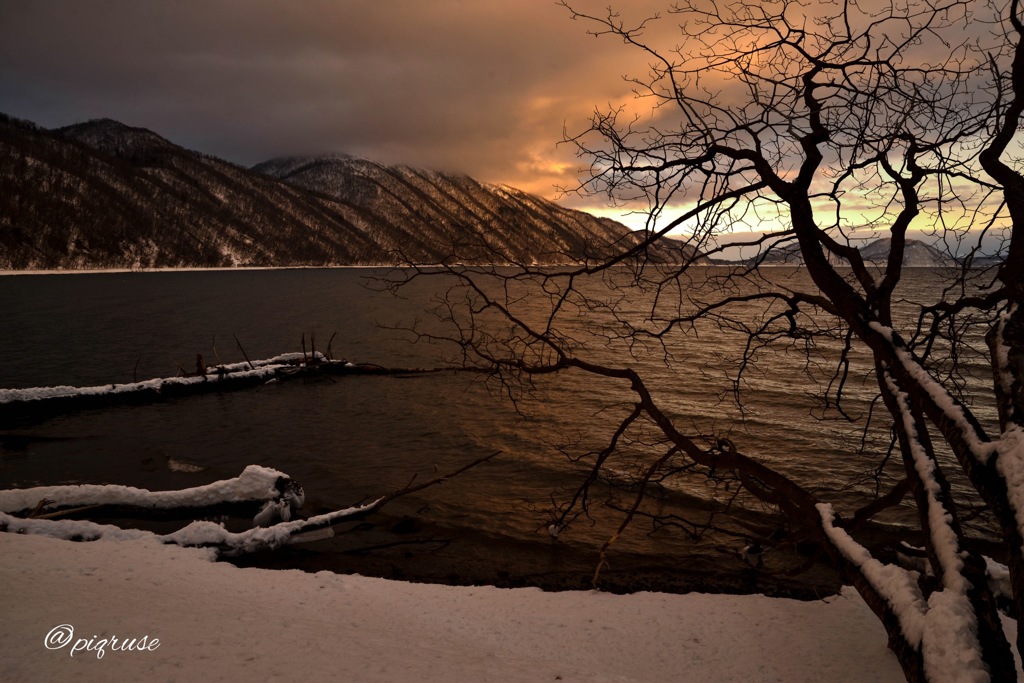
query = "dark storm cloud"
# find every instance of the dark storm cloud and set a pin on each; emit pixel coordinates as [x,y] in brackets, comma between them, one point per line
[479,86]
[476,86]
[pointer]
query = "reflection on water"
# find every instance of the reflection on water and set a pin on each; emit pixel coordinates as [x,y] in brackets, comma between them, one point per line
[356,437]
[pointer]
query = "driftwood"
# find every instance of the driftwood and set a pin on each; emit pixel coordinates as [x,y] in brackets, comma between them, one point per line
[23,405]
[241,496]
[280,496]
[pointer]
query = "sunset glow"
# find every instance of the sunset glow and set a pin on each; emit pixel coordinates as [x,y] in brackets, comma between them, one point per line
[484,88]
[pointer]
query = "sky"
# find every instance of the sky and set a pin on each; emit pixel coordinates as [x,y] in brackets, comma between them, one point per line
[483,87]
[487,88]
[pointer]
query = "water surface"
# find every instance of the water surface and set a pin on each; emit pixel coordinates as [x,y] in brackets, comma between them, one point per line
[360,437]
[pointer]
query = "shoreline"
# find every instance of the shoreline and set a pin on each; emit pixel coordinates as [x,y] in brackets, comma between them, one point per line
[183,269]
[406,549]
[378,266]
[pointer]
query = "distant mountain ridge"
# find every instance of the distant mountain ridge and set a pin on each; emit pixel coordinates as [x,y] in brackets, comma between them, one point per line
[414,210]
[916,254]
[101,194]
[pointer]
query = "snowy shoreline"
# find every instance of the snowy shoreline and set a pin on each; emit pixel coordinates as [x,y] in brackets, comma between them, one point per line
[217,622]
[188,269]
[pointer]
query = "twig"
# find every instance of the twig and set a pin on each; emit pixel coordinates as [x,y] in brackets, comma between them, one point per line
[215,354]
[244,355]
[409,488]
[69,511]
[329,356]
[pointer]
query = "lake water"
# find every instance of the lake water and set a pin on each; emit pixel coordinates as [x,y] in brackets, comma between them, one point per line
[360,437]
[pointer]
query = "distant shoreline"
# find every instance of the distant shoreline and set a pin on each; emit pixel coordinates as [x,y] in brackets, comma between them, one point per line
[184,269]
[224,269]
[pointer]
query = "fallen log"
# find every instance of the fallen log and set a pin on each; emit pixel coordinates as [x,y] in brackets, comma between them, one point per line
[274,528]
[40,403]
[242,496]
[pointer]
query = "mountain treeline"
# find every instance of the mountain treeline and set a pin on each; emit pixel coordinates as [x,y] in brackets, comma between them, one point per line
[102,194]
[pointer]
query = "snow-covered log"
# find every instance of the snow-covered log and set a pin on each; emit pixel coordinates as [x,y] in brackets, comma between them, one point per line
[274,526]
[44,402]
[197,534]
[255,484]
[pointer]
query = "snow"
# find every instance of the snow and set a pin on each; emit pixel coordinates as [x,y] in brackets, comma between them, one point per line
[1010,465]
[950,639]
[210,621]
[266,368]
[980,447]
[274,523]
[198,533]
[944,539]
[896,585]
[943,627]
[1010,447]
[999,579]
[254,484]
[1001,352]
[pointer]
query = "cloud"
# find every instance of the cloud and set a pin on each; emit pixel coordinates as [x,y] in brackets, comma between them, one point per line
[482,87]
[476,86]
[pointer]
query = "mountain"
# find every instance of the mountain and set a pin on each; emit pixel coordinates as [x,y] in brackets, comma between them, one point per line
[102,194]
[430,216]
[916,253]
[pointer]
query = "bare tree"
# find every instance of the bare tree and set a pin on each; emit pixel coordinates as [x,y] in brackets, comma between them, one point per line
[814,122]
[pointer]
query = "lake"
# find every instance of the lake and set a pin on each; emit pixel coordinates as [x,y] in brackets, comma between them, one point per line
[359,437]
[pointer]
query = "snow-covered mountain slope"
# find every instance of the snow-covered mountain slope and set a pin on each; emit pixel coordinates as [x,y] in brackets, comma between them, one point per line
[915,253]
[102,194]
[429,216]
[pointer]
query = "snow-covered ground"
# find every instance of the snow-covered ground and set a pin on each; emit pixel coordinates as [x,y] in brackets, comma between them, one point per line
[210,621]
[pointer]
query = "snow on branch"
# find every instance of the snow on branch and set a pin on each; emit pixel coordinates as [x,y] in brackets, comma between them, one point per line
[943,627]
[1010,448]
[1010,465]
[1001,352]
[945,540]
[896,585]
[981,448]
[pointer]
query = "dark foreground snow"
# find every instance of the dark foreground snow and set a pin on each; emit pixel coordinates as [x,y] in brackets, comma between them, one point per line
[215,622]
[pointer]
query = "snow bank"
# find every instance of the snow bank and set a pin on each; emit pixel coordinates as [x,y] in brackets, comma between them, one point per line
[215,622]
